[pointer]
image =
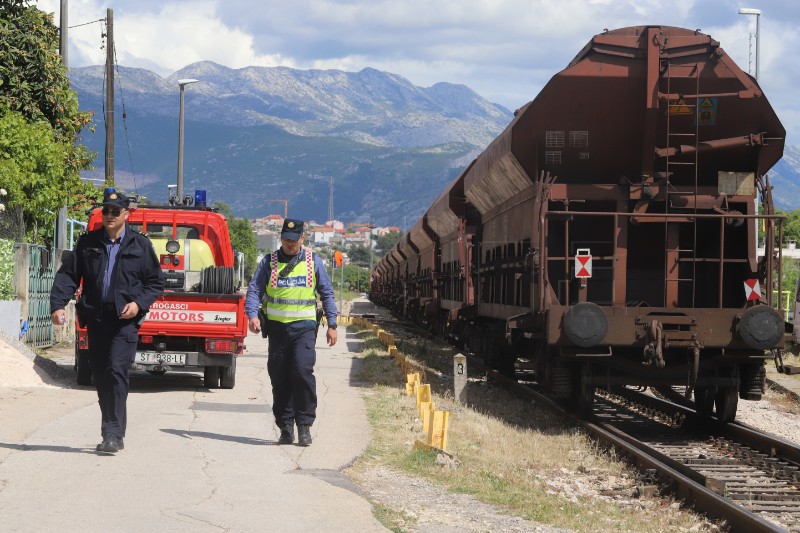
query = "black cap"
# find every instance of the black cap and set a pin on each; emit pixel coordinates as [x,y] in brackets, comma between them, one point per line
[116,199]
[292,229]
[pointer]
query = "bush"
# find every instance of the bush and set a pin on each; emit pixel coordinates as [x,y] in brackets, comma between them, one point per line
[6,270]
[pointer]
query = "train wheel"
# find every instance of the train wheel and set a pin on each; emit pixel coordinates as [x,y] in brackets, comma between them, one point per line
[496,356]
[727,398]
[727,401]
[586,395]
[703,401]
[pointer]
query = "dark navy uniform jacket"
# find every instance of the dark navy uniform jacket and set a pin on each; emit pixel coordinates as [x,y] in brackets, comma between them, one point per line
[138,275]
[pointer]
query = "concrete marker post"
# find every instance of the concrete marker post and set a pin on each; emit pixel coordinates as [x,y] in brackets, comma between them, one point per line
[460,378]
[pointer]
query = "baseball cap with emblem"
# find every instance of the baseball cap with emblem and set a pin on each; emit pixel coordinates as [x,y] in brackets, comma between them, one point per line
[116,199]
[292,229]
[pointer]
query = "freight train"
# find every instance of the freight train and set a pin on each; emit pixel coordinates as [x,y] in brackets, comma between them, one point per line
[608,236]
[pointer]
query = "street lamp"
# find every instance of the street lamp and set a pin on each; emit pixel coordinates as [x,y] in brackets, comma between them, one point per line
[181,83]
[757,13]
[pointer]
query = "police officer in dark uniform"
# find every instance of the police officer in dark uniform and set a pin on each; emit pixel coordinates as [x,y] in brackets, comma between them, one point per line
[283,290]
[121,279]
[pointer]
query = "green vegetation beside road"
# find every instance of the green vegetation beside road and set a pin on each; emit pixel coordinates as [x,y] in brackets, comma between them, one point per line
[39,126]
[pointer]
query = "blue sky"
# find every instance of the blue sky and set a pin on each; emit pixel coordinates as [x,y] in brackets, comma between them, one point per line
[505,50]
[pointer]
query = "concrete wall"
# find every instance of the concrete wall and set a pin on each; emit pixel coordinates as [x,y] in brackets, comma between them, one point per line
[10,317]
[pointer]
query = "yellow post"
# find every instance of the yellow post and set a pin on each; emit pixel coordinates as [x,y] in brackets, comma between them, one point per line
[423,395]
[427,409]
[437,434]
[390,339]
[412,380]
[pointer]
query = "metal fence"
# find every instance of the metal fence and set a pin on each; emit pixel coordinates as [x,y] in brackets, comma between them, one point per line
[41,272]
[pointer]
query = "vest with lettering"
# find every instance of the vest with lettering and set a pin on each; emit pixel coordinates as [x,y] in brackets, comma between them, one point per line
[291,298]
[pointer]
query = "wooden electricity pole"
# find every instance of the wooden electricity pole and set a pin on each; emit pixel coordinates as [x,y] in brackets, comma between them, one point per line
[109,161]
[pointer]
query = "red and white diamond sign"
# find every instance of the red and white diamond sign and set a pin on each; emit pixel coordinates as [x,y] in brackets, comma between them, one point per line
[752,290]
[583,263]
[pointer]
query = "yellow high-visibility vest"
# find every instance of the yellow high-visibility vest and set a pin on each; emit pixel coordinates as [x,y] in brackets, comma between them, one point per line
[291,298]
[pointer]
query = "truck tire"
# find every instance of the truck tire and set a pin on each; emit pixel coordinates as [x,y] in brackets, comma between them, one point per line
[211,377]
[83,369]
[227,375]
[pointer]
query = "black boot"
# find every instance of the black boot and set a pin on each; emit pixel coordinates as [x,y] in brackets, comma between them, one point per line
[287,435]
[111,444]
[304,435]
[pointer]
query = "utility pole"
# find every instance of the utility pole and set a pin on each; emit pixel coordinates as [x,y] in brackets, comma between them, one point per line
[369,274]
[330,200]
[61,218]
[109,161]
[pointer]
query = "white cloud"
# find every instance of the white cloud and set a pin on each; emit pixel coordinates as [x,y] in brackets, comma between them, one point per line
[503,49]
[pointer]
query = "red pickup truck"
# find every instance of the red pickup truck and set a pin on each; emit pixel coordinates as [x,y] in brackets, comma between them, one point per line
[199,322]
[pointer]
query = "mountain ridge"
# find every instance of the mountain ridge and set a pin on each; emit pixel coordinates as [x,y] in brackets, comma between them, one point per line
[255,134]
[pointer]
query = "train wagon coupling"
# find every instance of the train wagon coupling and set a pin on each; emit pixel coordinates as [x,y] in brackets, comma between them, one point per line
[607,252]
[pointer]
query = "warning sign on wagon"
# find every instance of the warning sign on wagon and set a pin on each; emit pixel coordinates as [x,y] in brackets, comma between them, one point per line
[583,263]
[752,289]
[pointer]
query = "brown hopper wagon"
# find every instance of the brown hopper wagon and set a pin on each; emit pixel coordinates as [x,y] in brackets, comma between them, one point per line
[608,235]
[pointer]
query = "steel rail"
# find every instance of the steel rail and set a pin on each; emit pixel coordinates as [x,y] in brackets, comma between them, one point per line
[685,483]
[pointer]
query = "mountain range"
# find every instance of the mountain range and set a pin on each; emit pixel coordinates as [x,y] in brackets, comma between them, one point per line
[257,134]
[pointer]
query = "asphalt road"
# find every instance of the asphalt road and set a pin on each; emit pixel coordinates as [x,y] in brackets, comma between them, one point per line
[195,459]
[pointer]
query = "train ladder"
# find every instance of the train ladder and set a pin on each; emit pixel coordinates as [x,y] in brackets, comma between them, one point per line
[674,256]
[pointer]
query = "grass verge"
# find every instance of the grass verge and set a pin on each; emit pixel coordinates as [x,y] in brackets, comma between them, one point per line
[508,452]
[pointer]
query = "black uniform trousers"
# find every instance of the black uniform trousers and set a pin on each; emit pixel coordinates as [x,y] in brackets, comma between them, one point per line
[112,348]
[290,365]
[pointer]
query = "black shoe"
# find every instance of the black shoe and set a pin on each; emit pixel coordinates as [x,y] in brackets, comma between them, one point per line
[304,435]
[111,444]
[287,435]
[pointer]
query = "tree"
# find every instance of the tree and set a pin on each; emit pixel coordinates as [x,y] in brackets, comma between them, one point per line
[386,242]
[243,239]
[359,255]
[39,122]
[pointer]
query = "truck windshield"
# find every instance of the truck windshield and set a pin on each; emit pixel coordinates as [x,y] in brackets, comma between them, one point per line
[165,231]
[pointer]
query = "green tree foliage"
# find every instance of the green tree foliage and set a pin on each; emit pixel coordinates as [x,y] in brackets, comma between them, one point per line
[243,239]
[384,243]
[356,278]
[359,255]
[39,121]
[791,229]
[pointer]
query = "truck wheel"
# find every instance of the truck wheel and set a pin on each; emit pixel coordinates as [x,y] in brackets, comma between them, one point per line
[211,377]
[227,375]
[83,369]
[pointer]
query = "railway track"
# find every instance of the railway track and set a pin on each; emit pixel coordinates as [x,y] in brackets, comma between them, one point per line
[733,472]
[730,472]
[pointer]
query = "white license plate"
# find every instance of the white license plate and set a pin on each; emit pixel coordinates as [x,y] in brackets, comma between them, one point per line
[154,358]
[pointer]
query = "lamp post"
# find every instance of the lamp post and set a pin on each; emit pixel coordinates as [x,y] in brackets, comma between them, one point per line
[757,13]
[181,83]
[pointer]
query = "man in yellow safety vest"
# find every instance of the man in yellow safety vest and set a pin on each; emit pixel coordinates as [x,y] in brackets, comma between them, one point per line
[283,292]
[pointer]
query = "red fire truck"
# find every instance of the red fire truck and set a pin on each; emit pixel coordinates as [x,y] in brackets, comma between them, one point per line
[199,322]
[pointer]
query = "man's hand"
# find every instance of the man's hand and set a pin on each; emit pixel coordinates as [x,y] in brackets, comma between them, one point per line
[331,336]
[254,324]
[130,310]
[58,317]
